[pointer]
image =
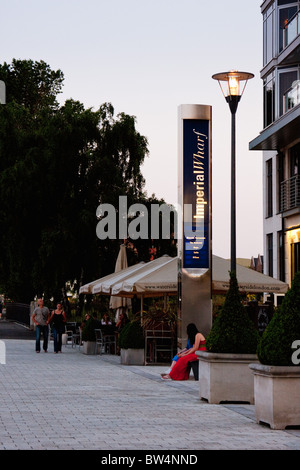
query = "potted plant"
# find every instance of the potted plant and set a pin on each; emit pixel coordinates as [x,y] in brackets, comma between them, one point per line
[230,347]
[277,375]
[89,337]
[160,318]
[132,343]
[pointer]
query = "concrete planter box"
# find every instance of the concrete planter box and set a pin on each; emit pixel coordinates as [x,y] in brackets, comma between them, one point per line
[89,347]
[226,377]
[133,357]
[276,394]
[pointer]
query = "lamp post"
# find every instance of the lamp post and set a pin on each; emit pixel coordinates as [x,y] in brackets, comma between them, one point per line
[230,85]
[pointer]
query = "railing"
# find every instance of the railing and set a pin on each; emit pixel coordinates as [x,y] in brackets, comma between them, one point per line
[291,30]
[290,194]
[18,312]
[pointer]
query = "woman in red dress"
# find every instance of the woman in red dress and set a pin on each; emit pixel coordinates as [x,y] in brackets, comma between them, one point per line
[180,371]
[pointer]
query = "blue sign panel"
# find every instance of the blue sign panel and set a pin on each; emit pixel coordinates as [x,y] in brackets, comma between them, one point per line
[196,193]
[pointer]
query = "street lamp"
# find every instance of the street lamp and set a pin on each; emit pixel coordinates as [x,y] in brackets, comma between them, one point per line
[230,83]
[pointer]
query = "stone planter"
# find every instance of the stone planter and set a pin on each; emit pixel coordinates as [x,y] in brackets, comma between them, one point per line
[276,394]
[226,377]
[89,347]
[64,339]
[133,357]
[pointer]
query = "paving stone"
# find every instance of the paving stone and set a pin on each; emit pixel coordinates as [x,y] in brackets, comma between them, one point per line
[79,402]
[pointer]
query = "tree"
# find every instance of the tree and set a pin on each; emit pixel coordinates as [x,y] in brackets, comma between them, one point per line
[31,91]
[33,85]
[232,330]
[160,238]
[275,347]
[57,164]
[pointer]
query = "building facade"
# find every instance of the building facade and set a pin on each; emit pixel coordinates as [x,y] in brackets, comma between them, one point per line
[280,137]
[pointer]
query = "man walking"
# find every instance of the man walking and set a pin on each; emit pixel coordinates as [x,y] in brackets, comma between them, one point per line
[40,317]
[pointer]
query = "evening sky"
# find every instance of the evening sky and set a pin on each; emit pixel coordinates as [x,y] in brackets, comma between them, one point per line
[147,58]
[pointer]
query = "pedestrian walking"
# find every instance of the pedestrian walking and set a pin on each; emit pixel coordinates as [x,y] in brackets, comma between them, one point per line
[58,319]
[40,317]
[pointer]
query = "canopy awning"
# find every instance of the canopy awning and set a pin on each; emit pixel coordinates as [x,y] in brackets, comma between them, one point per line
[156,278]
[104,285]
[248,280]
[160,277]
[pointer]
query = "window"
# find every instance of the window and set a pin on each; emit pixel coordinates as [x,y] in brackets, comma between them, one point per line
[269,188]
[295,259]
[269,100]
[270,253]
[280,180]
[294,181]
[281,257]
[287,83]
[285,15]
[286,2]
[281,93]
[269,20]
[292,96]
[294,160]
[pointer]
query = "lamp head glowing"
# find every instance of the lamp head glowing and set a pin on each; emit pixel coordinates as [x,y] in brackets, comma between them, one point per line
[230,85]
[233,85]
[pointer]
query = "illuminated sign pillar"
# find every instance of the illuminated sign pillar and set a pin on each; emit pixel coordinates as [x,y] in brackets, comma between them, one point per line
[194,225]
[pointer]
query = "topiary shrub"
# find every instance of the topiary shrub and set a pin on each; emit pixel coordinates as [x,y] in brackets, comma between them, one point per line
[275,347]
[131,336]
[232,331]
[88,331]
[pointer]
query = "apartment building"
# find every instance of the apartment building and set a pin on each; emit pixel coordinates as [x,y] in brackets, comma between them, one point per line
[280,138]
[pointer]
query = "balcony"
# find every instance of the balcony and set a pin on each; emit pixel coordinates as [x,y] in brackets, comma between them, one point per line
[290,194]
[292,97]
[281,133]
[291,30]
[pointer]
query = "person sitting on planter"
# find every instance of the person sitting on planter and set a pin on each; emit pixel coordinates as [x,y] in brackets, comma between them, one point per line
[189,345]
[181,371]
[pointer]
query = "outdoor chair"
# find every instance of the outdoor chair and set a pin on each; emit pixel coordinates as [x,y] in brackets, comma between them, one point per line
[109,341]
[163,346]
[159,344]
[69,334]
[76,338]
[99,341]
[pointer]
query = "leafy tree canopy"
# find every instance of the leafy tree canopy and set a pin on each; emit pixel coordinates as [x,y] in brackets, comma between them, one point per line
[57,164]
[31,84]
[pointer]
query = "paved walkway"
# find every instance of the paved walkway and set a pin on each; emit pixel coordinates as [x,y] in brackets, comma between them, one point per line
[74,401]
